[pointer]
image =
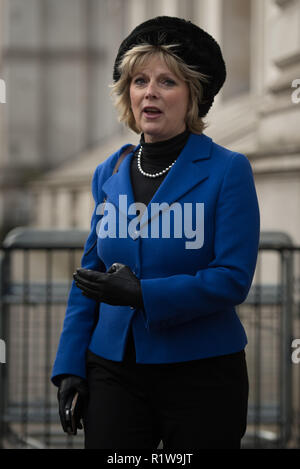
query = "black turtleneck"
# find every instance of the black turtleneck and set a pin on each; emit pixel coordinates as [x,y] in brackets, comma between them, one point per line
[155,157]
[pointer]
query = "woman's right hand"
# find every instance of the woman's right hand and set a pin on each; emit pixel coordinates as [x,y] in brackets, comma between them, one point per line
[68,387]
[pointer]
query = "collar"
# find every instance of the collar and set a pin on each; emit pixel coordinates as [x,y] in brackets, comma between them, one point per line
[182,177]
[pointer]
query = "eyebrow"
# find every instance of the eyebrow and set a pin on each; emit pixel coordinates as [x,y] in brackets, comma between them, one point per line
[163,74]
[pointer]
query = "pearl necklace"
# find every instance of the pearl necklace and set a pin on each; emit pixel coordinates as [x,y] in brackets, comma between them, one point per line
[155,175]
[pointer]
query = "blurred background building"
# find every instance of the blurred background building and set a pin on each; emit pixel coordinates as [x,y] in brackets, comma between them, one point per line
[59,121]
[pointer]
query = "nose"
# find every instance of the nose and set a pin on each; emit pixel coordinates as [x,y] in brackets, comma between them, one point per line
[151,90]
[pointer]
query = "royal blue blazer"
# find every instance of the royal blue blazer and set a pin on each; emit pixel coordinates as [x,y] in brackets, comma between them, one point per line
[189,295]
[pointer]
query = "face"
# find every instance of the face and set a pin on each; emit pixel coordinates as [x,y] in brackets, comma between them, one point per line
[159,101]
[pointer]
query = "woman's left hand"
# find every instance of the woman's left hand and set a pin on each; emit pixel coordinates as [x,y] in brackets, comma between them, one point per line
[118,286]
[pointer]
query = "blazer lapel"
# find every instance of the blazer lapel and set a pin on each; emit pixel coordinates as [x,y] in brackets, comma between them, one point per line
[118,187]
[182,177]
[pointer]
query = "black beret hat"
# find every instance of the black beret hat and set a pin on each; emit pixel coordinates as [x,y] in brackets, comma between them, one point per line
[195,47]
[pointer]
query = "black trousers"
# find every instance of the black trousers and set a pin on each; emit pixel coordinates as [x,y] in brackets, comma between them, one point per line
[200,404]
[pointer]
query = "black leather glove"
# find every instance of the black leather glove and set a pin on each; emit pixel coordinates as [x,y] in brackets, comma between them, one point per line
[118,286]
[66,391]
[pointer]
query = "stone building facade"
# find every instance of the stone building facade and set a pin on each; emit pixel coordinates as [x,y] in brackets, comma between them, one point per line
[57,61]
[60,121]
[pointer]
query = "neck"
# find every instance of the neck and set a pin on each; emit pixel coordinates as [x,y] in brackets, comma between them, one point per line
[177,139]
[164,152]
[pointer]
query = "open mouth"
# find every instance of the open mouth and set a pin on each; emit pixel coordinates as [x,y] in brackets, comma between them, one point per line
[150,111]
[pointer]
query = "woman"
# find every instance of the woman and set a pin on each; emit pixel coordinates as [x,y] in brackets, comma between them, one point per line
[165,360]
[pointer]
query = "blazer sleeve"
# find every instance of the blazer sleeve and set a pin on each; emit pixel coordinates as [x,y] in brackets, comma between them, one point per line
[226,280]
[80,311]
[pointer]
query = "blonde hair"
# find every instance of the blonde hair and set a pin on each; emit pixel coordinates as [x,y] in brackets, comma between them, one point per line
[136,58]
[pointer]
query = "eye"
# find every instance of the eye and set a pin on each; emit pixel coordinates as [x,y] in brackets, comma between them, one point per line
[139,81]
[168,82]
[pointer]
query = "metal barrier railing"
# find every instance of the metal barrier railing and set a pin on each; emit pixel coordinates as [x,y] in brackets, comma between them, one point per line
[36,269]
[271,318]
[36,274]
